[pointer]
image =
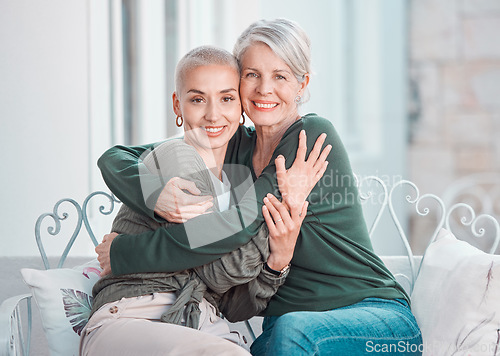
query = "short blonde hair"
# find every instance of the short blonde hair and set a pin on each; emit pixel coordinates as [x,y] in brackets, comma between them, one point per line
[285,38]
[203,56]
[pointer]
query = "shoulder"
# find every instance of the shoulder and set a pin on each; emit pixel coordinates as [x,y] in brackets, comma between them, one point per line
[313,118]
[314,123]
[173,151]
[176,158]
[173,144]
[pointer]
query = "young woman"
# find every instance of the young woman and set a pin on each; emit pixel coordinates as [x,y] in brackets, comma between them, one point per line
[338,295]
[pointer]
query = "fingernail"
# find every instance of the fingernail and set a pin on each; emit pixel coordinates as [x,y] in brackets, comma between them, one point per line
[266,200]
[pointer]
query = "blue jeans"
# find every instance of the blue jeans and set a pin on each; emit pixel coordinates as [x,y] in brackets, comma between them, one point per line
[371,327]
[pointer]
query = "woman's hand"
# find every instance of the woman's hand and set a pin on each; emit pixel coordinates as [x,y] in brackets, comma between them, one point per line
[284,228]
[102,251]
[296,183]
[176,206]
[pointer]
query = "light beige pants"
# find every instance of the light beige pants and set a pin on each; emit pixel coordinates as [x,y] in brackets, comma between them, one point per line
[132,326]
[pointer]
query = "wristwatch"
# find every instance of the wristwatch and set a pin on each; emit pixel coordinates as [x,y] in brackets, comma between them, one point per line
[280,273]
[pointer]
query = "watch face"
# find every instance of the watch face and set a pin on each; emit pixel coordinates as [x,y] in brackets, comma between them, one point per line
[284,270]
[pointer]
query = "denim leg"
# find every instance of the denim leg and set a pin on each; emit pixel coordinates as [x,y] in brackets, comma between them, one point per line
[260,345]
[372,326]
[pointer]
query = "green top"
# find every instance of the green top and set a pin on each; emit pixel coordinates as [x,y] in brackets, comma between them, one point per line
[333,264]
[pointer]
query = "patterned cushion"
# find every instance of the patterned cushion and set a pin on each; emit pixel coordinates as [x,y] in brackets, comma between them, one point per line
[64,298]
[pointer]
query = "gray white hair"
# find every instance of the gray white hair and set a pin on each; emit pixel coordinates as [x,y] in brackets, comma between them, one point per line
[286,39]
[203,56]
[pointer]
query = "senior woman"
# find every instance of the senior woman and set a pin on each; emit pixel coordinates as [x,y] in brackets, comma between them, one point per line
[338,297]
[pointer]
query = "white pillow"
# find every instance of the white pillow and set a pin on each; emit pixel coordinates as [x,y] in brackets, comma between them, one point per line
[456,299]
[64,298]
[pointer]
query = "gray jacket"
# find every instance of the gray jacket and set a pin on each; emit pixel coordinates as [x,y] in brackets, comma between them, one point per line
[236,284]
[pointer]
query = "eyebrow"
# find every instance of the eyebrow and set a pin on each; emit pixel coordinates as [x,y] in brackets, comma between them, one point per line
[282,70]
[254,69]
[274,71]
[196,91]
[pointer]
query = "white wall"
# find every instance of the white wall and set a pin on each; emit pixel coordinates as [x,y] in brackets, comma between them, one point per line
[44,115]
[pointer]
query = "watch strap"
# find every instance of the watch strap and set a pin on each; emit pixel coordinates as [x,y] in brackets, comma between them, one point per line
[275,272]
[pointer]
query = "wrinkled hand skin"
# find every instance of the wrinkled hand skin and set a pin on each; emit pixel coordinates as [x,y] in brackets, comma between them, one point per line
[297,182]
[176,206]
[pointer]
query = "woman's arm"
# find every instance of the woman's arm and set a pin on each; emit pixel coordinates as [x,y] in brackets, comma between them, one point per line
[246,263]
[250,299]
[122,168]
[170,249]
[237,267]
[240,277]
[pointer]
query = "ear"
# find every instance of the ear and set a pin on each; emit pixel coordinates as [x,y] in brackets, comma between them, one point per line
[304,84]
[176,104]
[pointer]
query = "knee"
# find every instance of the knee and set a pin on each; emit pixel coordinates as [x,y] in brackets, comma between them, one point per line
[292,322]
[292,331]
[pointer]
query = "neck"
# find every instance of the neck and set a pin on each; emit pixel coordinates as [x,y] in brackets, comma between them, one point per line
[268,138]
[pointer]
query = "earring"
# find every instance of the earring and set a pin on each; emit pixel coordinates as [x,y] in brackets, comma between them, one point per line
[297,99]
[243,116]
[177,121]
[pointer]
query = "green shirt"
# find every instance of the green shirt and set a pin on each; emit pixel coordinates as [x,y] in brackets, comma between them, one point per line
[333,264]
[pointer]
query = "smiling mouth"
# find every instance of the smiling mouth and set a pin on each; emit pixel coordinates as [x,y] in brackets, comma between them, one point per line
[214,131]
[265,105]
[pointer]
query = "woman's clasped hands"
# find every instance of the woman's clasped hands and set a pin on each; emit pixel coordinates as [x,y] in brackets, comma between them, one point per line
[284,218]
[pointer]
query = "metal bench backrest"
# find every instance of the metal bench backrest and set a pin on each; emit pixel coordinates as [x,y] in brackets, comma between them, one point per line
[369,187]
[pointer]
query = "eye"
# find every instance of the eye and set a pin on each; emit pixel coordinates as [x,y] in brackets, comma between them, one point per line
[197,100]
[278,76]
[251,75]
[227,99]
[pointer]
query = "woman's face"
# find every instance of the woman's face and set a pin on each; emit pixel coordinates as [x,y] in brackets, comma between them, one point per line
[210,105]
[268,87]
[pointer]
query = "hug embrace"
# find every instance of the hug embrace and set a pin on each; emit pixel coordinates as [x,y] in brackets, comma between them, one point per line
[229,220]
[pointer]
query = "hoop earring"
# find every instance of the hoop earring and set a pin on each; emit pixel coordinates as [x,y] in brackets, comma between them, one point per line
[243,116]
[177,121]
[297,99]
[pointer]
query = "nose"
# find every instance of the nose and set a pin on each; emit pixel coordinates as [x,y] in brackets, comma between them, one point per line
[265,86]
[212,112]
